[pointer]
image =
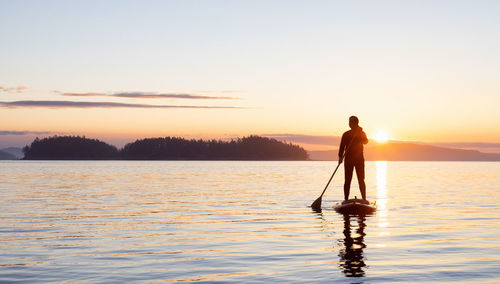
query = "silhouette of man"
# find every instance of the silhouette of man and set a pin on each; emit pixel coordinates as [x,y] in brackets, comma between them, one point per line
[352,144]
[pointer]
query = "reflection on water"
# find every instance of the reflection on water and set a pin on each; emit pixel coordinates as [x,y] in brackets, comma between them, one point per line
[352,260]
[382,213]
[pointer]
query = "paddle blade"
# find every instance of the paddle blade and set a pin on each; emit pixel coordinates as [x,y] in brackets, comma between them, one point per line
[316,205]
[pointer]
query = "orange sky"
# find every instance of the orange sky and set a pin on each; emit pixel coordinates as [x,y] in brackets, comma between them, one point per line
[419,71]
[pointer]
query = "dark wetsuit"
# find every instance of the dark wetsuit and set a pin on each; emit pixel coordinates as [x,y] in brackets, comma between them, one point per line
[353,159]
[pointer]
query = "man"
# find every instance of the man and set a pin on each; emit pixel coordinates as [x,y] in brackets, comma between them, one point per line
[351,150]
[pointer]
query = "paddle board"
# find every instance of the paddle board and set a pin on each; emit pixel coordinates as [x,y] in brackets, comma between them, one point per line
[356,207]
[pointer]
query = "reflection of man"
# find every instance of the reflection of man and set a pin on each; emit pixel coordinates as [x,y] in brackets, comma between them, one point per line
[352,144]
[351,256]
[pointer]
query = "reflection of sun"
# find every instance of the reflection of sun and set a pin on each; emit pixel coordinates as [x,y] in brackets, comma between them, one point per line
[381,136]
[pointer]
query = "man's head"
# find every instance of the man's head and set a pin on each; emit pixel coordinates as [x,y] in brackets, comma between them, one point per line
[353,122]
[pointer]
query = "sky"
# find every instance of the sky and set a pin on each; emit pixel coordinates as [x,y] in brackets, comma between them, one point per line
[424,71]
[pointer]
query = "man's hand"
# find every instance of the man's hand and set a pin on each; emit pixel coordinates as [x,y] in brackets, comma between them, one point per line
[340,160]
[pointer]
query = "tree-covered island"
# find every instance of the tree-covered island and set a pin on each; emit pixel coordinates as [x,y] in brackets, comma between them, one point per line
[168,148]
[69,148]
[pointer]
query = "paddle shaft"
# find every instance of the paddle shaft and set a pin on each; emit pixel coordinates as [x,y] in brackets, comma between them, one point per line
[329,180]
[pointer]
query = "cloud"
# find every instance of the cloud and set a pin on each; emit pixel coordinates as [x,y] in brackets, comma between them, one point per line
[18,89]
[75,104]
[83,94]
[335,140]
[306,139]
[214,92]
[25,132]
[486,147]
[149,95]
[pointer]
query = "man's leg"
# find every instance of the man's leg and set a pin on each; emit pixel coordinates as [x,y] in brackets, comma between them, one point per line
[360,173]
[348,169]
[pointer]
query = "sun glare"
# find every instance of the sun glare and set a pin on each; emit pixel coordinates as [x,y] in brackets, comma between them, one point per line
[381,137]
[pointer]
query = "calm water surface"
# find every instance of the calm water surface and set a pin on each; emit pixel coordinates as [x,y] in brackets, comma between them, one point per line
[246,222]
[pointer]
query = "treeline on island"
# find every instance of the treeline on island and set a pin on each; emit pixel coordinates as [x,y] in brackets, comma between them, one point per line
[69,148]
[168,148]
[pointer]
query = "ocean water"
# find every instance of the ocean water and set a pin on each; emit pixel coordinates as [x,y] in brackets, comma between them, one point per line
[174,221]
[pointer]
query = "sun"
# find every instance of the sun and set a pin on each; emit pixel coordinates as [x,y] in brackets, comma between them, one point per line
[381,136]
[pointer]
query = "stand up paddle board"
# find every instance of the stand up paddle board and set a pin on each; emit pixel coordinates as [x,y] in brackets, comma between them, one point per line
[356,207]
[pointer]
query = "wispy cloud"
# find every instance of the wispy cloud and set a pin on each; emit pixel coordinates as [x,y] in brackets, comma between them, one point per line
[486,147]
[215,92]
[82,94]
[76,104]
[18,89]
[150,95]
[25,132]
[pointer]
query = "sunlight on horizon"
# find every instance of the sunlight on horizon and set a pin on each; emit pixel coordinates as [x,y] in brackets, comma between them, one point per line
[381,136]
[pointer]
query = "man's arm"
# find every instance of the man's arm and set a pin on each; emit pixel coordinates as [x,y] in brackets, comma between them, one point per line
[364,138]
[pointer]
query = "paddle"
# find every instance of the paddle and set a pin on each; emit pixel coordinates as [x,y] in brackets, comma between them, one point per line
[316,205]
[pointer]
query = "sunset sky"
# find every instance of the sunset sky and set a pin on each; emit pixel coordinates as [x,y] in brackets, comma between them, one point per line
[425,71]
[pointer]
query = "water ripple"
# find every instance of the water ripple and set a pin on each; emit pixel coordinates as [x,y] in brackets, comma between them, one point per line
[245,222]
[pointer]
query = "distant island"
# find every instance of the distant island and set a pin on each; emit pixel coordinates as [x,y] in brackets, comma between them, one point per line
[11,153]
[168,148]
[5,155]
[405,151]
